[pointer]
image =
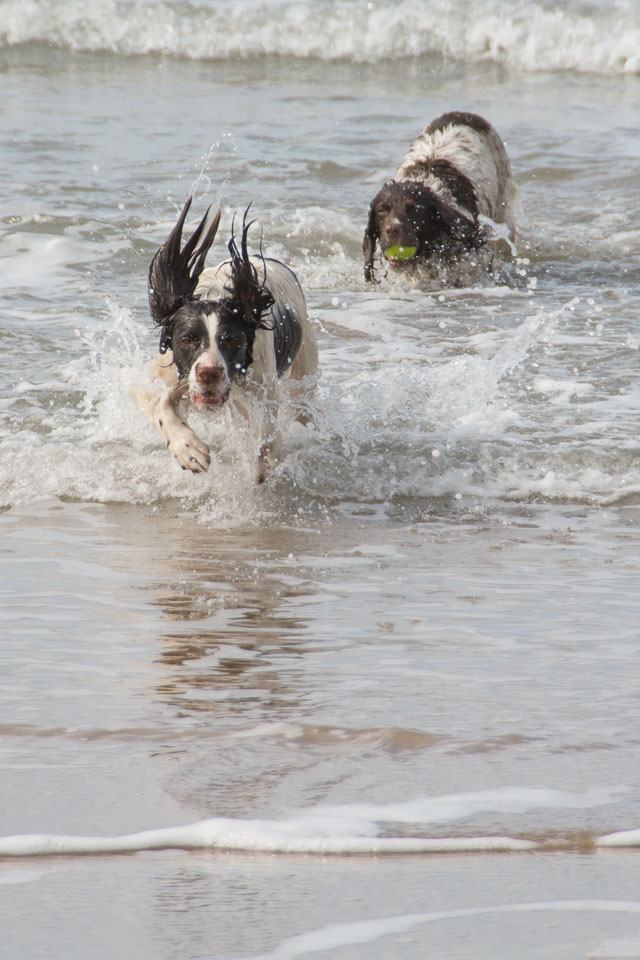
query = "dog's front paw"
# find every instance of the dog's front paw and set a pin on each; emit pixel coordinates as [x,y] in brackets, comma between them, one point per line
[190,452]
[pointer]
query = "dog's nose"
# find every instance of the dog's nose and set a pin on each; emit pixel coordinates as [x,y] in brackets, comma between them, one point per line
[208,374]
[393,231]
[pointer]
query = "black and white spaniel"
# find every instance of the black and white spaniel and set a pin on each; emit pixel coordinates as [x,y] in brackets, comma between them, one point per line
[227,334]
[437,213]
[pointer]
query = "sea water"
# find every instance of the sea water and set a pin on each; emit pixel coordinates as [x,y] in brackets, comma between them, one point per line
[387,704]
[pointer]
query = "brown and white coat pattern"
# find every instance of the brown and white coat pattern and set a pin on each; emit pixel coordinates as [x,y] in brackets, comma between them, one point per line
[451,185]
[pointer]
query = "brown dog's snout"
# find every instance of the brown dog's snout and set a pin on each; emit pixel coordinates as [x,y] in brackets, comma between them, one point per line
[392,233]
[208,374]
[396,230]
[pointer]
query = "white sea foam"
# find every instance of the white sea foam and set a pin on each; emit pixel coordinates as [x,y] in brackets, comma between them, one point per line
[623,838]
[250,836]
[573,36]
[346,829]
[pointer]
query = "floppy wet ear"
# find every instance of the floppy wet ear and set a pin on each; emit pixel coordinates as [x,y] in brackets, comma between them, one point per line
[174,272]
[459,226]
[371,235]
[246,290]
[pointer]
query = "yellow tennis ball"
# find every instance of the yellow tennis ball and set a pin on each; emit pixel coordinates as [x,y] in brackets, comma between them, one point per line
[398,252]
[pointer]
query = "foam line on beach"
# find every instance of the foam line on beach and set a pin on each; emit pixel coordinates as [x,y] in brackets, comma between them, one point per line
[270,837]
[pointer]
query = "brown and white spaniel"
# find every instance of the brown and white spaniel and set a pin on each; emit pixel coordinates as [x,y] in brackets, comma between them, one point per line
[441,209]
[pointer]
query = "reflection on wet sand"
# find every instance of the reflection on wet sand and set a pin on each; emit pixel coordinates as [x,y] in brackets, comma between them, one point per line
[237,587]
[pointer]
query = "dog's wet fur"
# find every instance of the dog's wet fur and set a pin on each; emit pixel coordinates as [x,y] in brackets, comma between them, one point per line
[455,178]
[227,333]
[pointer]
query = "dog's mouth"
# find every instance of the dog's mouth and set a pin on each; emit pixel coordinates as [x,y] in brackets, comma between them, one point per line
[208,399]
[398,252]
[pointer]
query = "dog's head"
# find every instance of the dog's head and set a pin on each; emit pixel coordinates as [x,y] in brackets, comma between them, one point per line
[211,340]
[212,346]
[411,222]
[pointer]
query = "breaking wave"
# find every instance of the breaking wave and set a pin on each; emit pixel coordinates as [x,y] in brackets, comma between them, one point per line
[598,37]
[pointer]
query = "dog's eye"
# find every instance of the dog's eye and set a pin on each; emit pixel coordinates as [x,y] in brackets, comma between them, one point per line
[189,339]
[232,342]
